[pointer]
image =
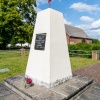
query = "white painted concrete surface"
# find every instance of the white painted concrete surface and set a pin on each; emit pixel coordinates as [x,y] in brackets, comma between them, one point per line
[52,64]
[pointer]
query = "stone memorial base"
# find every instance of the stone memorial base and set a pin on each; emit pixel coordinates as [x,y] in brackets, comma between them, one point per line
[65,91]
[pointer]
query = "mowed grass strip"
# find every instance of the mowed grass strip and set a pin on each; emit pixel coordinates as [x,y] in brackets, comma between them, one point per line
[16,63]
[79,62]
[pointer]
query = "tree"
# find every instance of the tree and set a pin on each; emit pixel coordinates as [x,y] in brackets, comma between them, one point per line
[95,41]
[12,26]
[29,33]
[23,34]
[9,20]
[20,36]
[26,8]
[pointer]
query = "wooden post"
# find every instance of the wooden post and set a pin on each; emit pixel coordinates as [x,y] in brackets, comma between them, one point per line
[22,52]
[95,54]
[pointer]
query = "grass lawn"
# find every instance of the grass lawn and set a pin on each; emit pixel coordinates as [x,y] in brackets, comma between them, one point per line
[12,60]
[78,62]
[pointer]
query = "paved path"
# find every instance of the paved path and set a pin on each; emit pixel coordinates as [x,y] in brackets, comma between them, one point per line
[92,71]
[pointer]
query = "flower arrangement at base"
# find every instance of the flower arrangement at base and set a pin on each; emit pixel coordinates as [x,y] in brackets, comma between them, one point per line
[28,82]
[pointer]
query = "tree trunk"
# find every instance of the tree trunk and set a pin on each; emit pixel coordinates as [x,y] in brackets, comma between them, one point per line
[21,45]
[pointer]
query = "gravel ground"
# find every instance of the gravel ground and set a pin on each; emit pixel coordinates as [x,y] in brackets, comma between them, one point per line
[92,71]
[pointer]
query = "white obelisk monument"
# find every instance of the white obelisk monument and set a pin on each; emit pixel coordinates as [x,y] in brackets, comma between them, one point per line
[49,62]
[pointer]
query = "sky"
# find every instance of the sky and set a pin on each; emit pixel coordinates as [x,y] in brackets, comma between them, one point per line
[84,14]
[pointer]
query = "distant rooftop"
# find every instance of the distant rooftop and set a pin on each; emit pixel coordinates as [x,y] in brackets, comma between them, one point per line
[75,32]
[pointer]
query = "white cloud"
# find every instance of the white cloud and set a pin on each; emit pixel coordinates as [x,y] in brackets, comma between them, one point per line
[84,7]
[93,29]
[67,22]
[96,24]
[42,1]
[85,27]
[38,9]
[92,26]
[86,19]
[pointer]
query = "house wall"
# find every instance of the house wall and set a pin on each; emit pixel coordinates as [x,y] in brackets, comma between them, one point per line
[88,41]
[68,39]
[75,40]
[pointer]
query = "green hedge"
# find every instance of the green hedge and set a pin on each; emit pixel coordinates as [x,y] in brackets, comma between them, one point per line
[82,49]
[84,46]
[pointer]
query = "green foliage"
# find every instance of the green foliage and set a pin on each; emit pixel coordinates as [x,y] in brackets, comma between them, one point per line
[12,27]
[1,40]
[29,33]
[79,46]
[9,20]
[26,8]
[12,60]
[84,46]
[82,49]
[95,41]
[72,47]
[79,62]
[24,34]
[95,46]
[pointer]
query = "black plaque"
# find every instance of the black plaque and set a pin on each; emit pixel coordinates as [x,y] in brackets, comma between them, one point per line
[40,41]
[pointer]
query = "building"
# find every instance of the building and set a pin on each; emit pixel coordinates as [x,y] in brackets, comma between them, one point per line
[76,35]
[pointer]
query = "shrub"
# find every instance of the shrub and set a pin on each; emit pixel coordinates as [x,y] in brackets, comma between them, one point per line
[95,46]
[80,49]
[83,46]
[80,46]
[72,47]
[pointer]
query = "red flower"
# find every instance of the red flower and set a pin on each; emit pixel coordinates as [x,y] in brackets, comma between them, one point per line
[28,80]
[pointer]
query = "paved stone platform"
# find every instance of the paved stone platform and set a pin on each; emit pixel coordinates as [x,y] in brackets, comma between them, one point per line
[93,93]
[7,94]
[65,91]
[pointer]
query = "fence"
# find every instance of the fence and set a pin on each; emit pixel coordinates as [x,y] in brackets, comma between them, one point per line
[83,53]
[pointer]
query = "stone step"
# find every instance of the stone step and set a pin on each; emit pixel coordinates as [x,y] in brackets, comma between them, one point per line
[93,93]
[64,91]
[7,94]
[80,92]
